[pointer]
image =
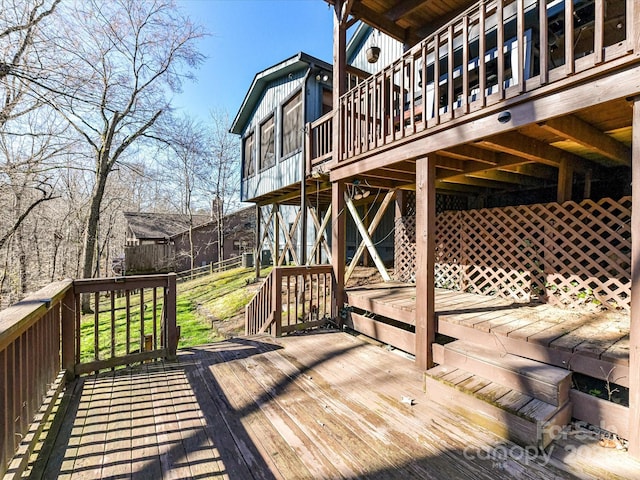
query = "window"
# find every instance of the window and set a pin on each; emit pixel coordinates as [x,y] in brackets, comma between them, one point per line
[267,144]
[292,125]
[249,156]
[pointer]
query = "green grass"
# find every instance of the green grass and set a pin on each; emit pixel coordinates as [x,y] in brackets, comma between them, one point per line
[219,297]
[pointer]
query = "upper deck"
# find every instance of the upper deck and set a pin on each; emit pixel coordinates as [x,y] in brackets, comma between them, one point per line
[495,67]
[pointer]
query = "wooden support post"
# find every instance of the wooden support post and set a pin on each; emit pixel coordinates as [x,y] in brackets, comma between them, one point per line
[170,317]
[401,204]
[68,333]
[634,335]
[258,249]
[338,246]
[276,235]
[339,75]
[302,240]
[425,260]
[565,181]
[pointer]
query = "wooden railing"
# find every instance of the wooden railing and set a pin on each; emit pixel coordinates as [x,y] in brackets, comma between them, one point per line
[130,322]
[459,68]
[44,338]
[291,299]
[319,143]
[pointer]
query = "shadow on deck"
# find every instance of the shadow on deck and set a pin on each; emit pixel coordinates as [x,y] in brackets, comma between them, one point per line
[324,405]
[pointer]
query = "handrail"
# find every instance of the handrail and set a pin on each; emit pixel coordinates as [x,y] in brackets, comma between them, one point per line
[291,299]
[319,137]
[439,80]
[41,338]
[30,360]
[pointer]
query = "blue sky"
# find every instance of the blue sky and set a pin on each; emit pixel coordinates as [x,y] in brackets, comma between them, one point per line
[247,36]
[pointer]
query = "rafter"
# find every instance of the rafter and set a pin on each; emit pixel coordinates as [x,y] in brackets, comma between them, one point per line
[573,128]
[381,22]
[402,8]
[534,150]
[469,152]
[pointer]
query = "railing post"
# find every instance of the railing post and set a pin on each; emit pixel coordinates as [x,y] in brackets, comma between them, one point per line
[170,317]
[69,333]
[277,302]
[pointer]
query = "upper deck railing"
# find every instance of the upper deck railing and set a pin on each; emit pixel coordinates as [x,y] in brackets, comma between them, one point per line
[471,63]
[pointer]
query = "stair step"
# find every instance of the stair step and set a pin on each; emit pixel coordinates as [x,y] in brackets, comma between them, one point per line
[538,380]
[505,411]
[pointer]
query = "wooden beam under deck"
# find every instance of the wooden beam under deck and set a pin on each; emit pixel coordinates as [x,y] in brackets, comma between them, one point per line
[572,128]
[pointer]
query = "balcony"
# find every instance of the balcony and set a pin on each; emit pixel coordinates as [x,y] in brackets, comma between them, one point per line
[494,55]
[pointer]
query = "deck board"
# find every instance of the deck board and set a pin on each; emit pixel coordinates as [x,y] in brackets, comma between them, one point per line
[596,335]
[323,405]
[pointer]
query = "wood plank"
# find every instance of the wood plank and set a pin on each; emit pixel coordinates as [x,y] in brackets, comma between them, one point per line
[389,334]
[256,418]
[118,445]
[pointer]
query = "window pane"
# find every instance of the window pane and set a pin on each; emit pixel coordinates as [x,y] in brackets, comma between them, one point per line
[249,156]
[292,125]
[267,144]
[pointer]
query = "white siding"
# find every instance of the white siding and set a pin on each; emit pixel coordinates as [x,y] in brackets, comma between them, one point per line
[390,50]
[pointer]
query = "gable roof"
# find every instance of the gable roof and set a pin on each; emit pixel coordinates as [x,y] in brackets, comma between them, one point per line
[146,225]
[263,78]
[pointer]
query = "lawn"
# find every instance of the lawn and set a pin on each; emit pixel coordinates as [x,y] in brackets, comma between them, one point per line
[208,310]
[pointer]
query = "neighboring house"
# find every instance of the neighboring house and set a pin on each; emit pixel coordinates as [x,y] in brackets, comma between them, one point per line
[506,134]
[145,228]
[238,237]
[160,242]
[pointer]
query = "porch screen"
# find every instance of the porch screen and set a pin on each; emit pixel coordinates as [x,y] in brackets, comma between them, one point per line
[292,125]
[249,156]
[267,144]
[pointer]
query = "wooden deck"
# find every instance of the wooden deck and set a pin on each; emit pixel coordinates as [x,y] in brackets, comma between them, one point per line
[323,405]
[591,343]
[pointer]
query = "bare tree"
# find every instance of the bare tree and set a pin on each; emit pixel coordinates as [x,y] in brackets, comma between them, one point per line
[223,178]
[126,55]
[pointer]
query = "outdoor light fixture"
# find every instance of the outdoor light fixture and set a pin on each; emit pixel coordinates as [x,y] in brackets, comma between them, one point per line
[322,77]
[359,193]
[504,117]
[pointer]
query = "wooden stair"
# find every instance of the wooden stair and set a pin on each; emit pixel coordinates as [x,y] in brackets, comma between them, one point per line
[517,398]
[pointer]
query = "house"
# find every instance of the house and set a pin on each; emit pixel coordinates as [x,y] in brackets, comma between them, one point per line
[145,228]
[163,242]
[281,100]
[505,136]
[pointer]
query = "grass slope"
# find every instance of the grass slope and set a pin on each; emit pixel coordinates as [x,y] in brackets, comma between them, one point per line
[209,309]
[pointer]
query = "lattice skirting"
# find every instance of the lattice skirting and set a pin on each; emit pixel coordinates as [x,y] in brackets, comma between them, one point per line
[572,254]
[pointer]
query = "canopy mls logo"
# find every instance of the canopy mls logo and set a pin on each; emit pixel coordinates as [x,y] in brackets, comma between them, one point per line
[501,454]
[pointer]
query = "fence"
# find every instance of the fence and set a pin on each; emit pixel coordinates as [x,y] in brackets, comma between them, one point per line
[568,254]
[221,266]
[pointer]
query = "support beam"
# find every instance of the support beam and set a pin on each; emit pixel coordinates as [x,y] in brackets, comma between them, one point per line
[320,235]
[425,261]
[370,230]
[572,128]
[565,182]
[366,238]
[258,248]
[534,150]
[338,247]
[339,75]
[634,333]
[276,235]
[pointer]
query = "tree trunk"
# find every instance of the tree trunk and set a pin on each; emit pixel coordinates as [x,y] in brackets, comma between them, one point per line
[92,230]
